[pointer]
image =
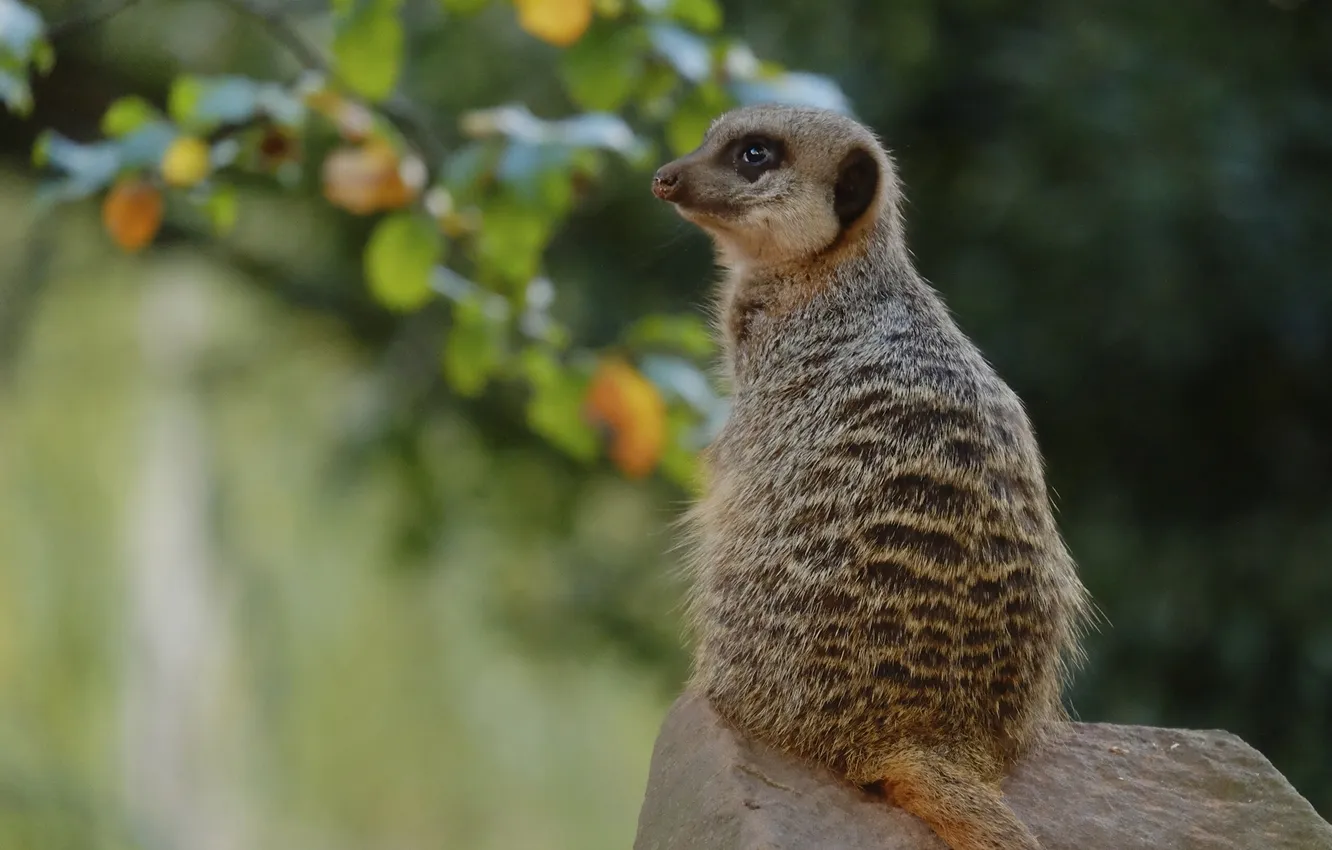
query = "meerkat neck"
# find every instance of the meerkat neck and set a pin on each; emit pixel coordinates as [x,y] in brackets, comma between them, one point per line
[857,269]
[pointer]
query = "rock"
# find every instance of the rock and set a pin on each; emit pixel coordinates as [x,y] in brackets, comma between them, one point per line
[1100,787]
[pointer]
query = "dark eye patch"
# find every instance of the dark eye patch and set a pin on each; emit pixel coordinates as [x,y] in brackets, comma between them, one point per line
[755,155]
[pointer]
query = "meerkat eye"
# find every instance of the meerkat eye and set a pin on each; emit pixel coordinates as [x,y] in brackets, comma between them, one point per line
[755,156]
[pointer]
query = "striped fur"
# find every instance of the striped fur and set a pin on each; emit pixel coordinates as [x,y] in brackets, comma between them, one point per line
[880,586]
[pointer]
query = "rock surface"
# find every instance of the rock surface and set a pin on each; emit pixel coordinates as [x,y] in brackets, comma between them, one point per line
[1102,787]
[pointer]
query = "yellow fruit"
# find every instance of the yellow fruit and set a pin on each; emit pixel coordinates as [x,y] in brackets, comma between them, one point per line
[629,405]
[185,162]
[132,212]
[559,22]
[365,179]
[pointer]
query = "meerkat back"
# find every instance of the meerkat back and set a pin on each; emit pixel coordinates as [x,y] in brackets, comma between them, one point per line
[880,586]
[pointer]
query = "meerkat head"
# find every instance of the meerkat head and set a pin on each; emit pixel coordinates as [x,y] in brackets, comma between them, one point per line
[772,184]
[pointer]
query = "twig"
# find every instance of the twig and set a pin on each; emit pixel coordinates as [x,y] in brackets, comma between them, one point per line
[397,110]
[88,19]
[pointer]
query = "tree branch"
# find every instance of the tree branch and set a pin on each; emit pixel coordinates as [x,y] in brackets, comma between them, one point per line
[397,110]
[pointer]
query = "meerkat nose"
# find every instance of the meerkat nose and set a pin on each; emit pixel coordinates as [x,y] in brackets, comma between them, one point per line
[665,182]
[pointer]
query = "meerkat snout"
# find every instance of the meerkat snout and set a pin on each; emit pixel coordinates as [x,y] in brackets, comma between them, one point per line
[666,181]
[775,184]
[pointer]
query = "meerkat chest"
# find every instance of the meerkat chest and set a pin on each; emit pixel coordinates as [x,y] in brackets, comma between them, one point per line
[842,438]
[771,457]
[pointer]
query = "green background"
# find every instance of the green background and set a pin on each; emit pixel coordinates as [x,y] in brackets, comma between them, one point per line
[394,617]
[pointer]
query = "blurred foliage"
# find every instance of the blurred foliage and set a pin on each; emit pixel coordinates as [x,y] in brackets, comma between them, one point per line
[487,209]
[1125,204]
[23,48]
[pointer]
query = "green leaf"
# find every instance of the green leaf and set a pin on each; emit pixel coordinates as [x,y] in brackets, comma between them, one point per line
[279,104]
[521,163]
[702,15]
[15,93]
[599,130]
[145,146]
[555,409]
[602,68]
[474,349]
[227,100]
[468,169]
[222,208]
[793,89]
[41,148]
[680,379]
[204,103]
[539,175]
[686,52]
[692,117]
[21,30]
[655,92]
[684,333]
[399,259]
[183,99]
[367,50]
[554,190]
[512,238]
[22,43]
[679,457]
[517,123]
[128,114]
[88,167]
[43,56]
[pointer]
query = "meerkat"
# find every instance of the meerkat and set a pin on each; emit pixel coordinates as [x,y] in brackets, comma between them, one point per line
[879,583]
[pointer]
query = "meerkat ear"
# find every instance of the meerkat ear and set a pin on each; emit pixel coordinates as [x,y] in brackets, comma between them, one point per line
[857,183]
